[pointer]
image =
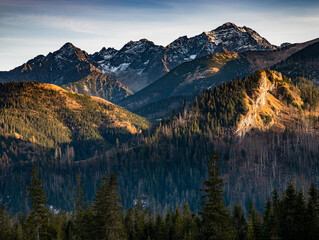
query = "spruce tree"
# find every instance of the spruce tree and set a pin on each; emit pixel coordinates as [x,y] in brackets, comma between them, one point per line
[83,228]
[190,227]
[216,220]
[37,220]
[276,216]
[301,216]
[159,228]
[178,226]
[6,229]
[140,220]
[239,222]
[251,231]
[267,223]
[313,213]
[254,218]
[107,210]
[288,215]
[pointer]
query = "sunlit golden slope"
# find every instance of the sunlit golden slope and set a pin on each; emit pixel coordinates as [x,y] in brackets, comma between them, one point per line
[275,104]
[48,116]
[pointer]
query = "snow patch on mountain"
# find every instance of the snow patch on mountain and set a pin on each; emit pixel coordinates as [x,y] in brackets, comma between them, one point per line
[143,56]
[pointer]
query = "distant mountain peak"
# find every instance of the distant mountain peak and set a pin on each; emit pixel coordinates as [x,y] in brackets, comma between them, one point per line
[228,25]
[70,52]
[142,41]
[68,45]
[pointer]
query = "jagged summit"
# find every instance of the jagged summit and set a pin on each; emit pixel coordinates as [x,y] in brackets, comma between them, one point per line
[139,63]
[67,45]
[226,26]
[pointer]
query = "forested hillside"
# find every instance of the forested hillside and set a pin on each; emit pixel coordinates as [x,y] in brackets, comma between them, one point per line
[302,64]
[264,127]
[43,119]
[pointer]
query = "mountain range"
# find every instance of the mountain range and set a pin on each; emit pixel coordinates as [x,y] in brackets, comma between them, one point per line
[193,77]
[142,62]
[203,93]
[163,77]
[136,64]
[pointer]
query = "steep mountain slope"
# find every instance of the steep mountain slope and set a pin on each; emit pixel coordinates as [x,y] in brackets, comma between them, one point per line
[68,65]
[265,100]
[193,77]
[38,118]
[304,63]
[99,85]
[142,62]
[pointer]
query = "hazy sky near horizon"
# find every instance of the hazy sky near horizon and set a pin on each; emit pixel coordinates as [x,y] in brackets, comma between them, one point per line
[32,27]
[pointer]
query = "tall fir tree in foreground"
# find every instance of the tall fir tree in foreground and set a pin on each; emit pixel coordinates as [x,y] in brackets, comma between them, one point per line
[107,209]
[38,219]
[216,219]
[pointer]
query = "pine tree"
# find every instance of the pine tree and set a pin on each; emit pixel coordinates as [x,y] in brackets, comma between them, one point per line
[276,216]
[178,226]
[251,230]
[6,229]
[140,220]
[239,222]
[107,210]
[216,220]
[159,228]
[300,216]
[82,223]
[189,224]
[267,223]
[37,220]
[255,219]
[169,227]
[288,221]
[313,213]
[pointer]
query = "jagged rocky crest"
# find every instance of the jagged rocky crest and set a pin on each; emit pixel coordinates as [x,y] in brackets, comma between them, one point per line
[69,67]
[142,62]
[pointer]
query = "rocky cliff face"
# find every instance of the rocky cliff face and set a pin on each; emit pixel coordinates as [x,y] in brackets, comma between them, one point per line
[274,104]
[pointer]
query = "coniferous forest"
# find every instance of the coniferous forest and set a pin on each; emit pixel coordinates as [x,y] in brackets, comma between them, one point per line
[291,215]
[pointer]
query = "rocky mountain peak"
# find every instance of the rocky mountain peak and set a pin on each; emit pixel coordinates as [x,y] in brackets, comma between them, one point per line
[105,54]
[228,25]
[70,52]
[68,45]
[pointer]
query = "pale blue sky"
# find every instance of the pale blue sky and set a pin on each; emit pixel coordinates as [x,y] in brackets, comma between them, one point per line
[32,27]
